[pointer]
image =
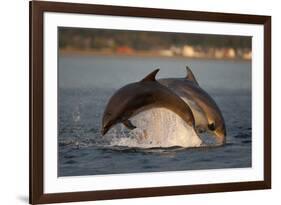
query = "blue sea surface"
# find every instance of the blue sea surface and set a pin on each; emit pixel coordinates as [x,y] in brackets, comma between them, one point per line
[87,82]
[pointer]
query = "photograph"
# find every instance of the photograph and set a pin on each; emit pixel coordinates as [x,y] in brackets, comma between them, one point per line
[129,102]
[136,101]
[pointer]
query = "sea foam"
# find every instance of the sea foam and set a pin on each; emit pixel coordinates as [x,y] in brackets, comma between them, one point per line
[157,127]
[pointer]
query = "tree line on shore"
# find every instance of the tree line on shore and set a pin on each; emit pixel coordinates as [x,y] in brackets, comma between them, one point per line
[99,39]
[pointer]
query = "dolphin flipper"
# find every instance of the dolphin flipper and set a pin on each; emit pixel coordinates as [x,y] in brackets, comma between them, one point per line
[212,126]
[190,76]
[129,124]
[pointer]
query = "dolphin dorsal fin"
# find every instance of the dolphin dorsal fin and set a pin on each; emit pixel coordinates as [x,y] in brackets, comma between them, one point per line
[190,76]
[151,76]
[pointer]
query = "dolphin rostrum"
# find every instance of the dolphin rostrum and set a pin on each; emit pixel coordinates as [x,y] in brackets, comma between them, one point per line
[139,96]
[207,114]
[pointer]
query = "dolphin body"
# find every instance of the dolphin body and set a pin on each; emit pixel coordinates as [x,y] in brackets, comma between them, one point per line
[207,114]
[134,98]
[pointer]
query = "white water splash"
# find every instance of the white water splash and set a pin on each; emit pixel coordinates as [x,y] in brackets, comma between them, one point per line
[76,114]
[158,127]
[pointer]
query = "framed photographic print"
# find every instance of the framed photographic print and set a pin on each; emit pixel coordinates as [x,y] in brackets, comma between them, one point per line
[138,102]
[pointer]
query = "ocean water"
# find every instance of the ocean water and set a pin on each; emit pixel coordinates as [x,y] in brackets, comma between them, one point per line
[85,85]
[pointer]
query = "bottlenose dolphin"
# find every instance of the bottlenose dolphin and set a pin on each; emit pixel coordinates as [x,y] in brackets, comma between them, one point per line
[139,96]
[207,114]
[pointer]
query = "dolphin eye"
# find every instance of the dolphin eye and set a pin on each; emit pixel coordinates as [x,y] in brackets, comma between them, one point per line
[212,126]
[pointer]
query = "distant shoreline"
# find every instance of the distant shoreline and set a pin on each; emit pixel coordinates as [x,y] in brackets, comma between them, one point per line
[75,52]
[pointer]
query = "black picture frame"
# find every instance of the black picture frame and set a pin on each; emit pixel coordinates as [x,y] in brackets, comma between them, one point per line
[37,9]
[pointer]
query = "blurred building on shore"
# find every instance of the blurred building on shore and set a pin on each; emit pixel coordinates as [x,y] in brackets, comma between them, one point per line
[141,43]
